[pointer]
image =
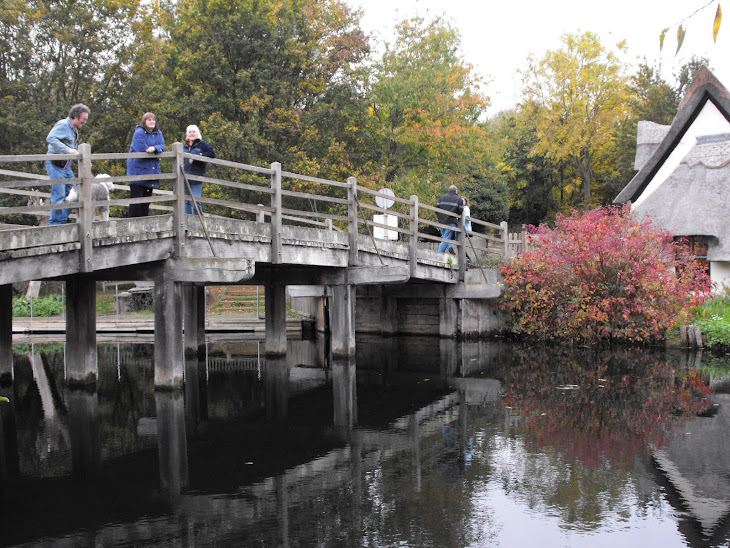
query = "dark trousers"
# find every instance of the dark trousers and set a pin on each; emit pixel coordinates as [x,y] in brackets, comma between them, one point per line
[139,191]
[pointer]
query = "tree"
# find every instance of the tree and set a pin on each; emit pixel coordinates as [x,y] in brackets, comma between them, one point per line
[265,80]
[602,275]
[651,98]
[576,96]
[529,180]
[56,53]
[425,105]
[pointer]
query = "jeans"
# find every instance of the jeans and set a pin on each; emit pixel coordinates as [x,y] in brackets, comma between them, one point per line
[448,234]
[59,192]
[197,189]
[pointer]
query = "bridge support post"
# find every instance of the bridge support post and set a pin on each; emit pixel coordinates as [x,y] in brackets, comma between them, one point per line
[388,312]
[448,317]
[6,334]
[81,356]
[169,358]
[342,320]
[275,322]
[194,321]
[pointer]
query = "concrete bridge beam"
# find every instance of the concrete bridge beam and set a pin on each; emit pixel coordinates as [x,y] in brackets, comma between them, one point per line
[81,358]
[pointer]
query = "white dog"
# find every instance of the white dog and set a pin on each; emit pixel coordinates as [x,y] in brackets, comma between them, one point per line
[100,191]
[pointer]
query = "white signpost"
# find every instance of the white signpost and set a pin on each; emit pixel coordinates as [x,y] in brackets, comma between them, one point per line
[383,200]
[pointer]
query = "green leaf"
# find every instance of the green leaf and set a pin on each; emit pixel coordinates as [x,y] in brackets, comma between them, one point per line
[717,22]
[3,398]
[661,38]
[681,32]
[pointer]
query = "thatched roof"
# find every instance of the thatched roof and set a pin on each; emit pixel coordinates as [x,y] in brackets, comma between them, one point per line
[691,193]
[705,87]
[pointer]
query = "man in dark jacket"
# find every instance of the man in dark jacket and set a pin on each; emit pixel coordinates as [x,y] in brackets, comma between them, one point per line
[453,203]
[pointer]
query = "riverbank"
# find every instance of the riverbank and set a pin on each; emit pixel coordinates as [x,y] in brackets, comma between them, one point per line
[134,324]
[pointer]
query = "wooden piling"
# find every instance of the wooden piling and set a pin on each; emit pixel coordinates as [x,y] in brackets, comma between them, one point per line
[81,357]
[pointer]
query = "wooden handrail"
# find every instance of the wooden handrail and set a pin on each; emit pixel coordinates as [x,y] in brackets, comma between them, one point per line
[286,204]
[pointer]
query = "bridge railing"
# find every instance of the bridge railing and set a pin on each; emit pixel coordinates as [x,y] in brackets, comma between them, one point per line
[241,191]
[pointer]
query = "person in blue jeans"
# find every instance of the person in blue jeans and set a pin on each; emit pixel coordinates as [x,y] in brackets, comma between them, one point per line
[453,203]
[64,139]
[194,144]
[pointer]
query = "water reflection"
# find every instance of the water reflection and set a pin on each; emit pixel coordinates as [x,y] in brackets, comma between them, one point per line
[83,426]
[594,406]
[416,442]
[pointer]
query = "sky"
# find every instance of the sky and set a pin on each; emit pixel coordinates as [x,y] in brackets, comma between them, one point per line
[497,37]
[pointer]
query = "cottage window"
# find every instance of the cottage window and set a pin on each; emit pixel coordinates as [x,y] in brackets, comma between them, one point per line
[697,245]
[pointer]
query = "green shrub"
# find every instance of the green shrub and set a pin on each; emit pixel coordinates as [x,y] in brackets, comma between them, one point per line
[42,306]
[713,319]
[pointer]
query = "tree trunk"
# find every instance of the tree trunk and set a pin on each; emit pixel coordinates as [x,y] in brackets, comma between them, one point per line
[585,172]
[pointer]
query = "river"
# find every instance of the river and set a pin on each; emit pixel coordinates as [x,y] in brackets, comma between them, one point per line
[418,442]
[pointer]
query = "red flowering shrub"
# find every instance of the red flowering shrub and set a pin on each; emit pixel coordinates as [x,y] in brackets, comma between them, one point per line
[601,275]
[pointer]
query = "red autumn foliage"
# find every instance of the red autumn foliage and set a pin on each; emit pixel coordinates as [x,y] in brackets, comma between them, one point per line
[602,275]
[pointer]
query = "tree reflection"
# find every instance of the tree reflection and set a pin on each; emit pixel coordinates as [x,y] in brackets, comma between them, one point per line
[594,405]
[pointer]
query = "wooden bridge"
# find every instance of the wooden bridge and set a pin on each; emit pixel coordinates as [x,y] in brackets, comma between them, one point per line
[262,226]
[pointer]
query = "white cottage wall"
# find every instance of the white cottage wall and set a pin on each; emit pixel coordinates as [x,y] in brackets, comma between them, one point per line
[720,275]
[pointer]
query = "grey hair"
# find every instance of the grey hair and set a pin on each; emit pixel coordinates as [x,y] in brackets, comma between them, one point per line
[77,110]
[193,127]
[453,188]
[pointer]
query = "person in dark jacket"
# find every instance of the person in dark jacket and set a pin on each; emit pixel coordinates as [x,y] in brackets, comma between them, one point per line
[194,144]
[453,203]
[147,138]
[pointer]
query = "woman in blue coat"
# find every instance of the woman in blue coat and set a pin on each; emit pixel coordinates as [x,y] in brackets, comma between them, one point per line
[147,138]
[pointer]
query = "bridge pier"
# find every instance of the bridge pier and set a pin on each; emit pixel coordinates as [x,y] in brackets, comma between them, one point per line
[194,321]
[6,334]
[169,357]
[342,320]
[81,358]
[275,312]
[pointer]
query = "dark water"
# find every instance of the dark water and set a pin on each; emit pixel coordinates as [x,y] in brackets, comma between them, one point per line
[417,442]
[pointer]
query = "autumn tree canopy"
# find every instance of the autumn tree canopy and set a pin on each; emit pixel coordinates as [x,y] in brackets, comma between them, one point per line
[295,81]
[576,97]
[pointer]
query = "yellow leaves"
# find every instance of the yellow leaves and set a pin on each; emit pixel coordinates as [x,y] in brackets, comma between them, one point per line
[680,38]
[716,23]
[682,31]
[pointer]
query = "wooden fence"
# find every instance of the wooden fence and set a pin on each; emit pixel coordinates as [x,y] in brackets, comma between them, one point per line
[232,189]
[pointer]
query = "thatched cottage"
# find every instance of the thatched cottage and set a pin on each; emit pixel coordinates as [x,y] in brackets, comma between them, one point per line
[683,179]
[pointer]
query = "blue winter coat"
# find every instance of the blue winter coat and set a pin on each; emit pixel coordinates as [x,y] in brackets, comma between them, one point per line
[141,141]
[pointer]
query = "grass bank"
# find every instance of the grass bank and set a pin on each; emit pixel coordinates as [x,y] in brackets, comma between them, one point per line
[713,319]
